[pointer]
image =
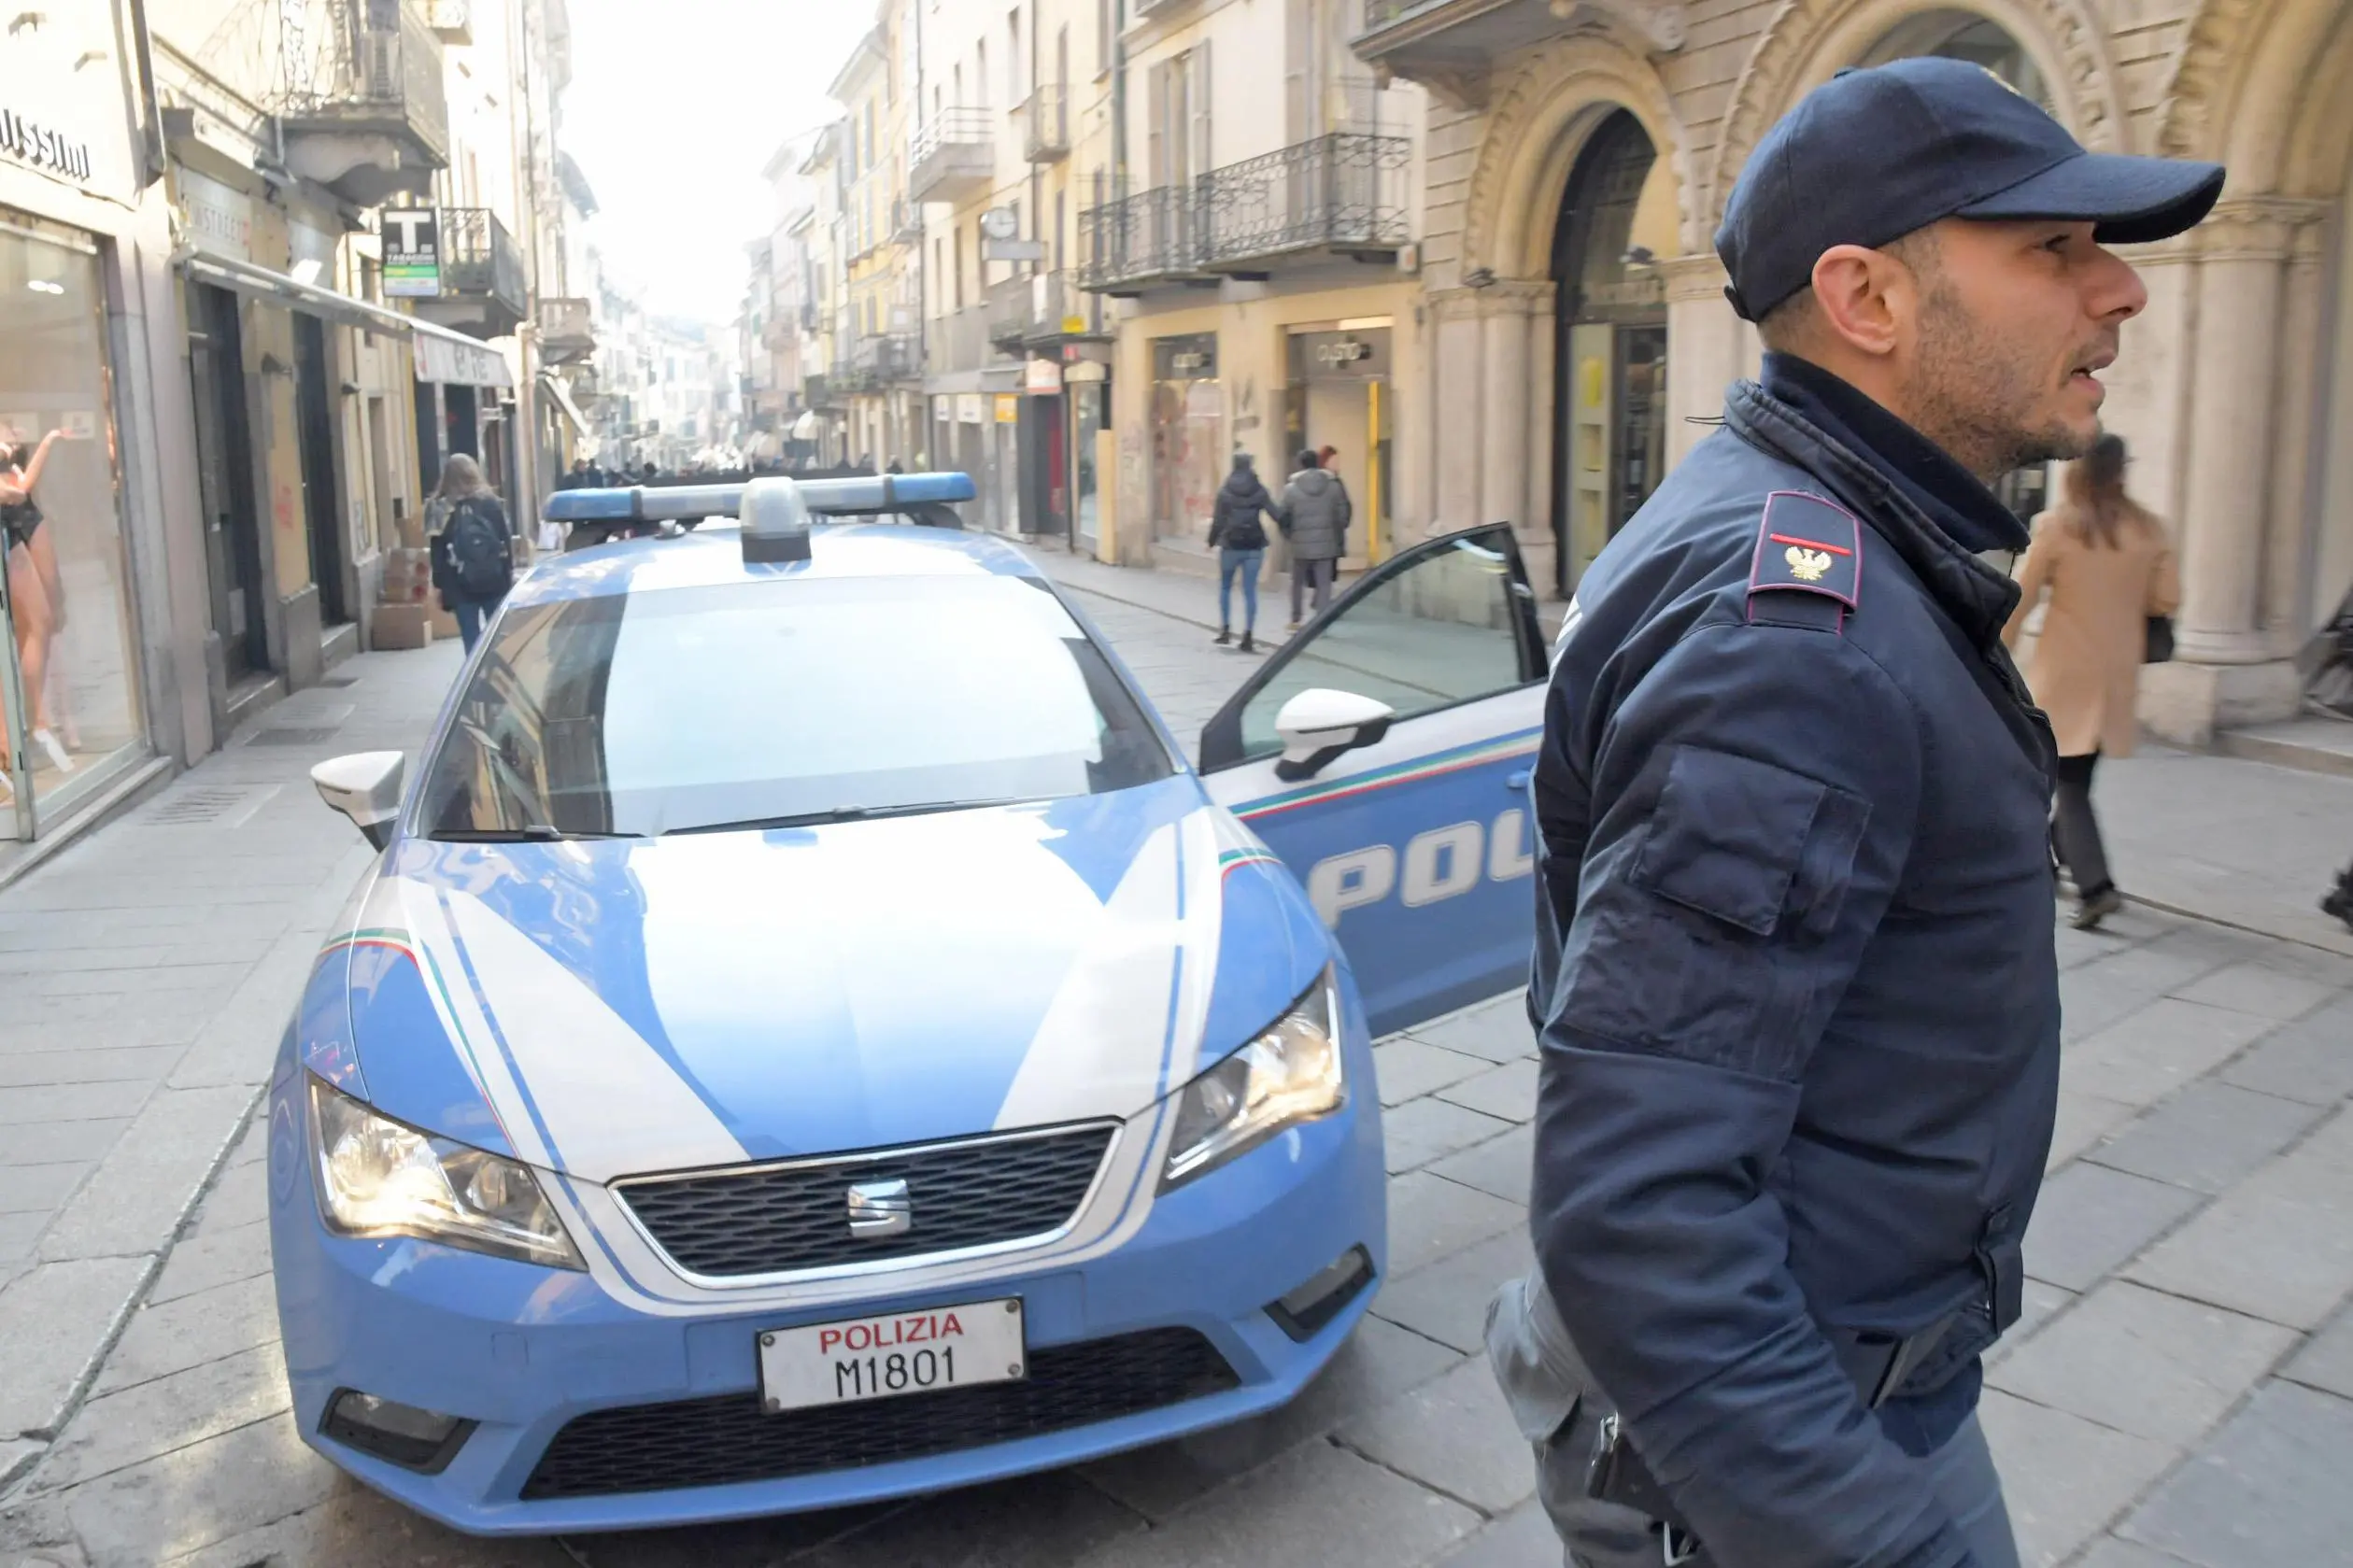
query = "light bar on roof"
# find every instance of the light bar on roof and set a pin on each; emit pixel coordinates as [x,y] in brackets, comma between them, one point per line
[851,496]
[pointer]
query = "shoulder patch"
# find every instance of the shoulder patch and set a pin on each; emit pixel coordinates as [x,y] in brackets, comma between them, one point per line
[1807,544]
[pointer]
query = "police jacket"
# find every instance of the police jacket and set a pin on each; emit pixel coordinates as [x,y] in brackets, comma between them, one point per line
[1796,988]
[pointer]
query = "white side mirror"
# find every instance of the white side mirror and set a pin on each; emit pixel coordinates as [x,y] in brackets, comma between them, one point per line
[364,787]
[1320,723]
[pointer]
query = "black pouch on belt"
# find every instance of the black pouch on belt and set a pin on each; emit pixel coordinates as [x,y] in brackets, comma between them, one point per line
[1877,1366]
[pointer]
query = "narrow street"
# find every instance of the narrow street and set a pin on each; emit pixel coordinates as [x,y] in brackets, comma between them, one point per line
[2180,1393]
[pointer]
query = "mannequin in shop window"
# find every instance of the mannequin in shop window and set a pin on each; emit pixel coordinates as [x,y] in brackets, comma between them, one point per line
[36,601]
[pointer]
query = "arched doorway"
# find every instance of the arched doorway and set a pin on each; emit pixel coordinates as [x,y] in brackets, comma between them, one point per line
[1617,219]
[1952,34]
[1959,35]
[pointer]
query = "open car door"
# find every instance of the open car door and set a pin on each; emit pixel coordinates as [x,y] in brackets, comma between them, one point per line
[1384,753]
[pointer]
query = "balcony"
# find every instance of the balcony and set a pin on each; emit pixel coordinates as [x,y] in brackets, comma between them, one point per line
[1451,46]
[1141,240]
[952,156]
[567,332]
[482,289]
[365,115]
[1343,194]
[1042,311]
[907,222]
[1045,124]
[820,391]
[959,341]
[879,361]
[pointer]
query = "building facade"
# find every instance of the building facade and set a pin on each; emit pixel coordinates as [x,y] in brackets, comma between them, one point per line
[1579,158]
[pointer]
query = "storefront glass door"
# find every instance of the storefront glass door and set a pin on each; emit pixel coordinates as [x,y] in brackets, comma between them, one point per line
[70,686]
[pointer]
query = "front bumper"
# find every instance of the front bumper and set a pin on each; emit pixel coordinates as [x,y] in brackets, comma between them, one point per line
[522,1352]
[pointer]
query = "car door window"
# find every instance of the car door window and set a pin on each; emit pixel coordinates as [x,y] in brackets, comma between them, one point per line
[1441,629]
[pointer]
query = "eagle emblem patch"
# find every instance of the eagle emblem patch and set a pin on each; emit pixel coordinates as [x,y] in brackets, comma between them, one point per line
[1807,543]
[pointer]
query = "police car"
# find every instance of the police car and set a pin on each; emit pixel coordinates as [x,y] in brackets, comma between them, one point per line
[812,1038]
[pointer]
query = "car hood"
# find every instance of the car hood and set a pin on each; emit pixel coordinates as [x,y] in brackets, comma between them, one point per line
[610,1008]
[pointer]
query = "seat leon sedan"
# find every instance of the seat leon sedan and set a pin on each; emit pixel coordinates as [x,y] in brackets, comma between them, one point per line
[810,1037]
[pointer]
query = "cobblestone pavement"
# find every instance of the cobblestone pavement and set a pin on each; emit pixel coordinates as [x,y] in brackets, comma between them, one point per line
[2182,1391]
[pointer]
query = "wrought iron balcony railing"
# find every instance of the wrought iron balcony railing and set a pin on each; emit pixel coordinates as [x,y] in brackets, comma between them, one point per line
[1045,124]
[1147,237]
[1345,192]
[380,74]
[1042,308]
[480,259]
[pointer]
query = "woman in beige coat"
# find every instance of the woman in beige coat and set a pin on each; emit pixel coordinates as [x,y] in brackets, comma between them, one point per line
[2108,567]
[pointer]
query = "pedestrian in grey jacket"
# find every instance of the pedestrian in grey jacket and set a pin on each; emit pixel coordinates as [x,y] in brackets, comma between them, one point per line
[1314,515]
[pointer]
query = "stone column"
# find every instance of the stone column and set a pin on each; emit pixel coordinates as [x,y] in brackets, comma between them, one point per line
[2226,669]
[1703,350]
[1457,351]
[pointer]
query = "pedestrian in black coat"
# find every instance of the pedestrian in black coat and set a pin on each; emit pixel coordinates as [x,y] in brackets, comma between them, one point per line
[1241,542]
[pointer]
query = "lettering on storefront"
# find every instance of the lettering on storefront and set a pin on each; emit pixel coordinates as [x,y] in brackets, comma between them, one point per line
[31,143]
[220,218]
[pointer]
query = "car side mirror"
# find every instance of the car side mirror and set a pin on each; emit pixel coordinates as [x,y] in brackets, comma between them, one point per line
[364,787]
[1320,723]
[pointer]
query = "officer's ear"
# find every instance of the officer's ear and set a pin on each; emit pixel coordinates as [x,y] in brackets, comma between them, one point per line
[1867,303]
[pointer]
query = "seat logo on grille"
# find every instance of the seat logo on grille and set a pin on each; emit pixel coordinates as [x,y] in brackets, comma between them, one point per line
[880,1209]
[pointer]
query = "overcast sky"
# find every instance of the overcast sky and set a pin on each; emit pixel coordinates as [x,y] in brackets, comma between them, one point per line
[674,110]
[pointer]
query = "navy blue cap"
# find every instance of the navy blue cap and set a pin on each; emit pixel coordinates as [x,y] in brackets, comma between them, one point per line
[1872,155]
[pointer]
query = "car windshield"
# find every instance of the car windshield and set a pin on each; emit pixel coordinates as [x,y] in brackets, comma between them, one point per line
[781,701]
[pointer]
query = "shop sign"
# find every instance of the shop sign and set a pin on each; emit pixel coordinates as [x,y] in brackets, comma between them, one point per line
[220,218]
[1008,408]
[460,364]
[43,148]
[412,252]
[968,408]
[1347,356]
[1042,379]
[1185,359]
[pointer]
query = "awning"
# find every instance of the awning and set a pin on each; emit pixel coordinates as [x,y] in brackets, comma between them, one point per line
[563,400]
[455,359]
[278,288]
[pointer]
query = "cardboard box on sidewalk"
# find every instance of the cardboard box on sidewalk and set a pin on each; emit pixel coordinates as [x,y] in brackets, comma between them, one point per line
[401,625]
[443,624]
[411,531]
[408,576]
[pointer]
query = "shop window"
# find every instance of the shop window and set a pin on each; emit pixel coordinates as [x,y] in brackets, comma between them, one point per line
[71,688]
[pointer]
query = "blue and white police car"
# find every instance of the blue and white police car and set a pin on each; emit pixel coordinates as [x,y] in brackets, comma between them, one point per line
[811,1037]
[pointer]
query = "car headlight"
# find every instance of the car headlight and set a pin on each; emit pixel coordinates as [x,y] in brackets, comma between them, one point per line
[1291,1073]
[379,1176]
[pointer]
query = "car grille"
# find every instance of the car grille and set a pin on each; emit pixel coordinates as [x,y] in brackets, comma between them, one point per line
[715,1442]
[777,1219]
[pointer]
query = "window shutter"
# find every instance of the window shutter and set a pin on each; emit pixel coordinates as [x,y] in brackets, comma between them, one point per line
[1157,170]
[1198,82]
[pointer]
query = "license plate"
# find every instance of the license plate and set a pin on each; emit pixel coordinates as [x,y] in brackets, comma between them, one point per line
[899,1352]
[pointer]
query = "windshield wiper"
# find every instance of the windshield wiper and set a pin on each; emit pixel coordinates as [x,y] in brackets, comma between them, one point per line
[529,833]
[836,813]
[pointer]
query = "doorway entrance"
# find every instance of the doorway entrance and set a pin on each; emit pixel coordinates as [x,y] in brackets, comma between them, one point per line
[224,479]
[1617,217]
[314,411]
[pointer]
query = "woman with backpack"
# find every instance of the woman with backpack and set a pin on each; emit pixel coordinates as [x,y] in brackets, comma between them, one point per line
[474,553]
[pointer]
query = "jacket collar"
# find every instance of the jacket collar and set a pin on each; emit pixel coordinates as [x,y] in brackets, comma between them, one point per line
[1975,594]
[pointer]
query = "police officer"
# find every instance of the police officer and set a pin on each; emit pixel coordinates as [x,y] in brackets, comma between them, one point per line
[1795,974]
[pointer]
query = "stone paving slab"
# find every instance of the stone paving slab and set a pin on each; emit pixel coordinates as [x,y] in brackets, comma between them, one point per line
[2145,1363]
[2268,1491]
